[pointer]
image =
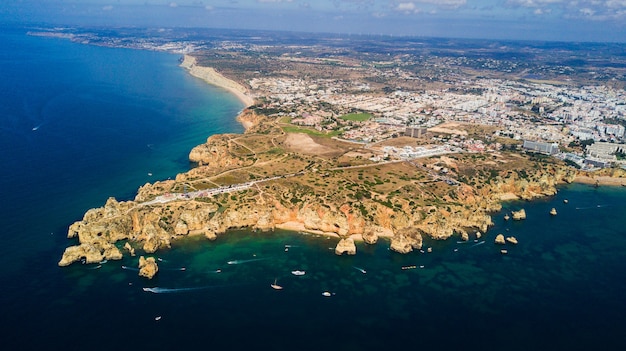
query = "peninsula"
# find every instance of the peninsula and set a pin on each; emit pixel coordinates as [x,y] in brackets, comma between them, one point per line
[354,146]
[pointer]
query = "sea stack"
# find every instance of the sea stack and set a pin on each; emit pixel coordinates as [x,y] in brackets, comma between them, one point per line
[519,215]
[147,267]
[512,240]
[553,211]
[500,239]
[345,245]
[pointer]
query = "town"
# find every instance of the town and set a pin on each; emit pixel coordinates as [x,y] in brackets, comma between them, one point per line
[422,88]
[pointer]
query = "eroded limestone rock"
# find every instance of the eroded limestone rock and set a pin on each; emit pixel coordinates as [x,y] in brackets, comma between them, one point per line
[347,246]
[500,239]
[519,215]
[148,267]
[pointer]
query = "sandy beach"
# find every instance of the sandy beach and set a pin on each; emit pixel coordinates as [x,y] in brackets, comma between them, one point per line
[601,180]
[211,76]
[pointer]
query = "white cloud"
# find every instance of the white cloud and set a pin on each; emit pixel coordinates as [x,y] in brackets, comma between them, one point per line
[452,4]
[406,6]
[587,12]
[173,4]
[598,10]
[107,8]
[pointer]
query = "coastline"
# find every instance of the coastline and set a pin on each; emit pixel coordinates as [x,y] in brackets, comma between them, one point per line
[600,180]
[212,77]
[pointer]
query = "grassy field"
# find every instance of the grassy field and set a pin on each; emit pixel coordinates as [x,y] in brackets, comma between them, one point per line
[293,129]
[356,117]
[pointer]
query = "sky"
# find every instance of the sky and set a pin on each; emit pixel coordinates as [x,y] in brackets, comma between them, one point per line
[551,20]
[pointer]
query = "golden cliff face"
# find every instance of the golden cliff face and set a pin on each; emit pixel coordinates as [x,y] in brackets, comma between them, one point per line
[283,188]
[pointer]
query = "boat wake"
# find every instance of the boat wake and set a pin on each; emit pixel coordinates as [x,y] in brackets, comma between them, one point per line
[130,268]
[157,290]
[360,269]
[591,207]
[246,261]
[175,269]
[480,243]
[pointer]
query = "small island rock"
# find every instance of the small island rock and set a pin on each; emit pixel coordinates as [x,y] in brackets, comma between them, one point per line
[519,215]
[464,236]
[129,248]
[147,267]
[500,239]
[512,240]
[553,211]
[478,235]
[345,245]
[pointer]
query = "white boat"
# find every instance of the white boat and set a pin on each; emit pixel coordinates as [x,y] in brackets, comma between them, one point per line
[276,286]
[298,272]
[326,293]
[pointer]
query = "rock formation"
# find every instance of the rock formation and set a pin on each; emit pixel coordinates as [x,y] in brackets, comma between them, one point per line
[129,248]
[464,236]
[512,240]
[163,212]
[148,267]
[346,246]
[519,215]
[406,240]
[553,211]
[500,239]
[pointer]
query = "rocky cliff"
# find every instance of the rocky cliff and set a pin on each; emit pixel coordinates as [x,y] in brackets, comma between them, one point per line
[392,200]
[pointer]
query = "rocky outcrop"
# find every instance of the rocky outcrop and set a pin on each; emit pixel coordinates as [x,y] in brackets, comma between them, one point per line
[148,267]
[129,248]
[519,215]
[347,246]
[406,240]
[553,211]
[500,239]
[464,236]
[217,153]
[161,213]
[512,240]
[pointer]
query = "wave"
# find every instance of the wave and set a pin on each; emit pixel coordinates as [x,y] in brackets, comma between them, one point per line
[130,268]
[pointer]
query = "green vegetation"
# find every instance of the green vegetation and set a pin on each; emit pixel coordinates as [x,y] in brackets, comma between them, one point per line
[357,117]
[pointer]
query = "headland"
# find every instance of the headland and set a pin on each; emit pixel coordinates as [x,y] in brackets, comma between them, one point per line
[354,146]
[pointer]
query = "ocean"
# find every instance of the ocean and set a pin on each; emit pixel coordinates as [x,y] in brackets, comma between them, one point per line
[80,123]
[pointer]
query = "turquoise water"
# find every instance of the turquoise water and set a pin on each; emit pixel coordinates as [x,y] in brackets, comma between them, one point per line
[107,117]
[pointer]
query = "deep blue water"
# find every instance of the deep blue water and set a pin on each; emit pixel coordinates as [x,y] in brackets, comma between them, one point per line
[107,117]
